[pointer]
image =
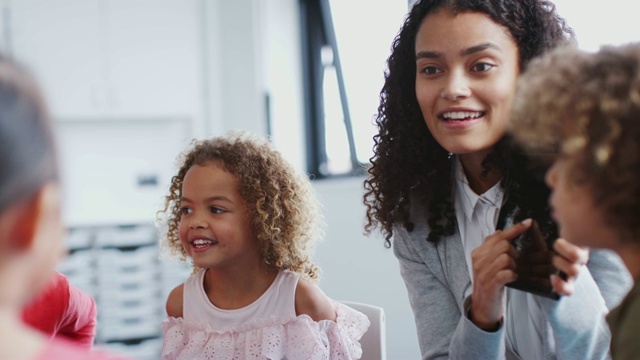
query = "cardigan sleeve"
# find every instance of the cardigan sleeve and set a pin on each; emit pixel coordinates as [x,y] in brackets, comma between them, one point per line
[578,321]
[443,333]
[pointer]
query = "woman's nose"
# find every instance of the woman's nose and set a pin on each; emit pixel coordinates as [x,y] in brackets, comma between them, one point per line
[456,87]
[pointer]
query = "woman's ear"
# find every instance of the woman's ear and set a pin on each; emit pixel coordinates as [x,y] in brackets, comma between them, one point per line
[19,222]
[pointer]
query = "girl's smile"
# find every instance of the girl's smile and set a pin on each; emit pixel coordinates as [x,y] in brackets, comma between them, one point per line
[215,227]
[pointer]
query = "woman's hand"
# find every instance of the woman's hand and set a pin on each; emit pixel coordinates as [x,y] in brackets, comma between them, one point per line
[494,265]
[569,259]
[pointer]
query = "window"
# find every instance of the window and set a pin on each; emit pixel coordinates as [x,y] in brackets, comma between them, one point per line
[346,45]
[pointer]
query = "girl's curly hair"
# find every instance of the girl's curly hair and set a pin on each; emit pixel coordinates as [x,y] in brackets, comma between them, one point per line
[408,164]
[282,205]
[587,107]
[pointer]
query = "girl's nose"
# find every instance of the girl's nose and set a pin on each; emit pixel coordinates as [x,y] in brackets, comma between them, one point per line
[197,223]
[456,87]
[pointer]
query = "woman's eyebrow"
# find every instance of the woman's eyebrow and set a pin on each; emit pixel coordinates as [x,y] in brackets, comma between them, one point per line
[464,52]
[480,47]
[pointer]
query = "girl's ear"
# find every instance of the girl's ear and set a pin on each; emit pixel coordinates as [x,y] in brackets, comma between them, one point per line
[20,221]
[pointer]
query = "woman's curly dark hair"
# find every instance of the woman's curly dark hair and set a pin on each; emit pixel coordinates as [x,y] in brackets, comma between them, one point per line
[284,210]
[408,164]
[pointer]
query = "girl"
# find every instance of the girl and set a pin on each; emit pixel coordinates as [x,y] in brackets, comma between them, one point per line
[584,108]
[443,172]
[31,230]
[247,222]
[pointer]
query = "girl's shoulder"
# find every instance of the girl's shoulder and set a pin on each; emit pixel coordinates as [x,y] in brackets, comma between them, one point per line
[175,301]
[312,301]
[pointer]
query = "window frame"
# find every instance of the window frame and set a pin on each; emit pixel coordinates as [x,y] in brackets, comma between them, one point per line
[317,31]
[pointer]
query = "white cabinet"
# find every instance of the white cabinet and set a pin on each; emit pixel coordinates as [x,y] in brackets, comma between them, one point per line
[101,59]
[121,268]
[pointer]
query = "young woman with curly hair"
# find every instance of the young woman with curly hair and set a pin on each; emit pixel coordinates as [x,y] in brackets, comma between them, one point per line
[247,221]
[584,108]
[444,178]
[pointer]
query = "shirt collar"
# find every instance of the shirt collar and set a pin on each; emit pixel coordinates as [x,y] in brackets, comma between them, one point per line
[468,198]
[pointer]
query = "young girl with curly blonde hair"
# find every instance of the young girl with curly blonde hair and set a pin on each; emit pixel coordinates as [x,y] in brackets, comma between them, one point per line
[247,221]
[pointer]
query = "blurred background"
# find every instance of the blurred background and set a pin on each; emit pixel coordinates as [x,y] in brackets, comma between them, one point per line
[131,82]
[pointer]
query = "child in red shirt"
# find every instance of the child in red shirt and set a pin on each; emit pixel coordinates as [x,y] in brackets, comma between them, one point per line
[31,230]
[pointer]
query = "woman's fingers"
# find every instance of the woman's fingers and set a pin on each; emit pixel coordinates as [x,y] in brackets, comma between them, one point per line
[493,265]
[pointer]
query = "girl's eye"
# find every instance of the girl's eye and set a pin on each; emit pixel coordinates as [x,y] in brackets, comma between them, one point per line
[216,210]
[185,210]
[482,67]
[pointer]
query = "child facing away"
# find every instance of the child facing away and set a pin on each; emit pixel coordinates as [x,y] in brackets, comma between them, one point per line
[247,222]
[583,109]
[31,229]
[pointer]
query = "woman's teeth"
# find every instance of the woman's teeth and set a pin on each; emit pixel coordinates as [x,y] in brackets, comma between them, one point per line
[461,115]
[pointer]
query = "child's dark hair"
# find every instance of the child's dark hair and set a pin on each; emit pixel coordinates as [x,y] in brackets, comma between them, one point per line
[282,204]
[586,108]
[27,147]
[408,164]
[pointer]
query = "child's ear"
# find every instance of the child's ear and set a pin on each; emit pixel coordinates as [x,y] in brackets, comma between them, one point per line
[21,220]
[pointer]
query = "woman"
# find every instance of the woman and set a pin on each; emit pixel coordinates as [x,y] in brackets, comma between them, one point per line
[443,172]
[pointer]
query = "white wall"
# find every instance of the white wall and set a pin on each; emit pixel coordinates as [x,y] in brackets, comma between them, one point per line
[359,268]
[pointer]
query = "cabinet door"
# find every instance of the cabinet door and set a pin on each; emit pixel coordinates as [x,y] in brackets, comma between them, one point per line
[60,42]
[154,57]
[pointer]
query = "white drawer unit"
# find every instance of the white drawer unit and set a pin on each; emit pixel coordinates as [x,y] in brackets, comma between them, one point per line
[121,267]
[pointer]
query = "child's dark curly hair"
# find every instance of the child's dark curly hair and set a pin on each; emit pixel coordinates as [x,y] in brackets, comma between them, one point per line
[408,164]
[282,204]
[587,107]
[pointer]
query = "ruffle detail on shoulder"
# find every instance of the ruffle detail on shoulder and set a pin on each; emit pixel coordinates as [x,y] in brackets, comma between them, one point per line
[296,338]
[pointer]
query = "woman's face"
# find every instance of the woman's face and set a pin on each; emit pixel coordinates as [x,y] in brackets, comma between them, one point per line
[466,72]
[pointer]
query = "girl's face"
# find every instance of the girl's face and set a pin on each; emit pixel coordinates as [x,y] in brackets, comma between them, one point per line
[466,72]
[579,219]
[215,226]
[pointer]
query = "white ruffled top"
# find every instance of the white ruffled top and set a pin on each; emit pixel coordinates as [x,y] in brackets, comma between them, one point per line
[265,329]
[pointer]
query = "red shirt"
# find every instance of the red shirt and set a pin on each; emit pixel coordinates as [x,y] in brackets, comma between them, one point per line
[62,309]
[61,349]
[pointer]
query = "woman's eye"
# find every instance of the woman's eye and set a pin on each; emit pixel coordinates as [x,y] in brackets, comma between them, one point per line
[216,210]
[482,67]
[185,210]
[431,70]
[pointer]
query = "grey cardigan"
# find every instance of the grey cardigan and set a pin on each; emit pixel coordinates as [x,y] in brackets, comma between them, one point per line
[436,278]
